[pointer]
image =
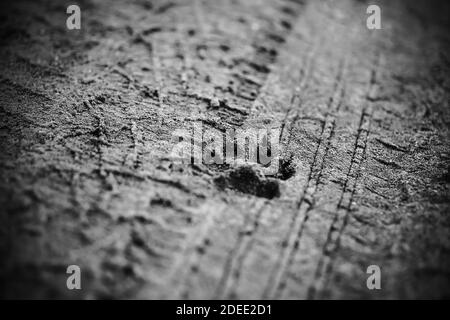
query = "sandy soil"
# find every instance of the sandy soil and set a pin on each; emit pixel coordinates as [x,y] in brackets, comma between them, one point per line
[86,123]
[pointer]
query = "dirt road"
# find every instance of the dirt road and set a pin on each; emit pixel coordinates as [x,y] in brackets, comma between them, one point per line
[86,123]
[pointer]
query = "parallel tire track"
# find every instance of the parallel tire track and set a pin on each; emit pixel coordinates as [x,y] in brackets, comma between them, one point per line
[344,205]
[276,281]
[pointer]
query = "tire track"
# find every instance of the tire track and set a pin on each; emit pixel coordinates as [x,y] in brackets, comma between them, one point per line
[193,260]
[327,130]
[340,220]
[233,265]
[188,261]
[276,282]
[231,272]
[306,73]
[267,49]
[201,245]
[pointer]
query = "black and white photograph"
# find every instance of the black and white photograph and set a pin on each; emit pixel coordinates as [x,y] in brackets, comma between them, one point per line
[224,150]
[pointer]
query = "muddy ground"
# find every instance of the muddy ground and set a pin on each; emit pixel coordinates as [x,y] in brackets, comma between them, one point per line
[86,123]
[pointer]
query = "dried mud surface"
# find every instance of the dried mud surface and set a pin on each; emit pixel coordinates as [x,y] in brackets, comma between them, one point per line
[86,123]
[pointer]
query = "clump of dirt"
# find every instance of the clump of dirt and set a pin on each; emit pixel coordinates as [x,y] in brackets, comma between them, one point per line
[248,180]
[287,168]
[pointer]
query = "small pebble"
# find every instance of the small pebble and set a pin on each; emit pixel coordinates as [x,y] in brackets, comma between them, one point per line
[214,103]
